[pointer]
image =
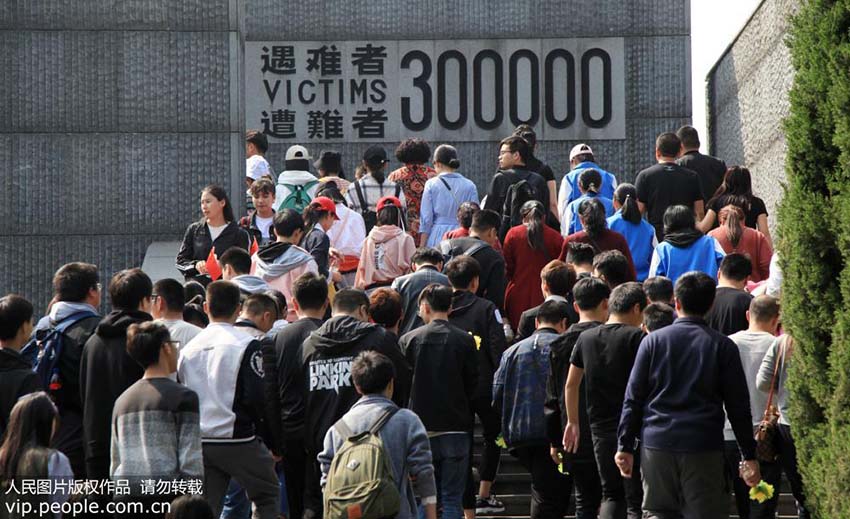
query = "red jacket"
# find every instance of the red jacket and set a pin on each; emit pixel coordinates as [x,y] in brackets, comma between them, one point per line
[523,265]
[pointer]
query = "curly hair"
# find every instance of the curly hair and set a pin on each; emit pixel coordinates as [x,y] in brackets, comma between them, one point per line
[413,151]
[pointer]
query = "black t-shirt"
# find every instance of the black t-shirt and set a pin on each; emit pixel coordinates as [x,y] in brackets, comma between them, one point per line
[751,214]
[709,169]
[728,315]
[664,185]
[607,354]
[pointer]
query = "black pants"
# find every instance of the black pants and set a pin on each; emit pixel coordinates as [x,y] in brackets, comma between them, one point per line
[772,473]
[294,466]
[684,484]
[313,505]
[621,497]
[490,422]
[588,488]
[550,490]
[732,457]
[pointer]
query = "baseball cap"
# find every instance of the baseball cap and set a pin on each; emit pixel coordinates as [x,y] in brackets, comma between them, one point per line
[325,204]
[580,149]
[388,200]
[297,152]
[375,155]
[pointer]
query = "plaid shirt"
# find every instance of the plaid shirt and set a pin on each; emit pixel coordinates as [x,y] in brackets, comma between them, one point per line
[372,192]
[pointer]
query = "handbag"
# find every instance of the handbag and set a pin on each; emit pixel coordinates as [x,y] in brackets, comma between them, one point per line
[765,436]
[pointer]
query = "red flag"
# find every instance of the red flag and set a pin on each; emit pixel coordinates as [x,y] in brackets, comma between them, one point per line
[254,247]
[213,268]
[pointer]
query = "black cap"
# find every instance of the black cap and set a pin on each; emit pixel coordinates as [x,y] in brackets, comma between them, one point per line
[329,161]
[375,155]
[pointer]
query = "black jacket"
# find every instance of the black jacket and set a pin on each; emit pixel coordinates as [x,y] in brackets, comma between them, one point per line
[503,180]
[317,243]
[326,366]
[106,371]
[710,170]
[492,280]
[555,410]
[285,383]
[16,380]
[197,243]
[478,317]
[249,223]
[409,287]
[445,375]
[527,325]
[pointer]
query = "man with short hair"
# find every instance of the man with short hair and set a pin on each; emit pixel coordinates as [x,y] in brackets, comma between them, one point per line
[556,281]
[514,154]
[256,165]
[613,268]
[480,318]
[76,296]
[167,303]
[519,392]
[591,302]
[236,267]
[326,366]
[682,464]
[657,316]
[258,315]
[604,356]
[385,309]
[753,344]
[224,366]
[286,383]
[659,289]
[710,170]
[580,256]
[427,264]
[16,376]
[106,369]
[296,186]
[260,224]
[402,434]
[667,184]
[536,165]
[728,315]
[445,375]
[582,159]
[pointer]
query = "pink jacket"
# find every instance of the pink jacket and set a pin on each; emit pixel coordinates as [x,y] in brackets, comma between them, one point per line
[280,265]
[386,255]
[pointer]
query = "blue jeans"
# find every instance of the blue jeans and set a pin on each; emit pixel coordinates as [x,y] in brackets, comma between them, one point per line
[237,505]
[450,453]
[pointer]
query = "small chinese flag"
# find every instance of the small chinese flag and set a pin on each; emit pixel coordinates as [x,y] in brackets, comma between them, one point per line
[213,267]
[254,247]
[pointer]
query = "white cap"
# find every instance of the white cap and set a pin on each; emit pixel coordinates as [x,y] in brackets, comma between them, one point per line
[297,152]
[580,149]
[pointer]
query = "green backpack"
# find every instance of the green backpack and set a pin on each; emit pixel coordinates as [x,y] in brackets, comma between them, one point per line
[298,197]
[360,482]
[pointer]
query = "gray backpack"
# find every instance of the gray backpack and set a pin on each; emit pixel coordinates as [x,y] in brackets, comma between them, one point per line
[360,482]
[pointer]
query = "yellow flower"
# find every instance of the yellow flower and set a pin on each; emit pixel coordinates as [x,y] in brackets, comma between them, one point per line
[500,442]
[761,492]
[477,341]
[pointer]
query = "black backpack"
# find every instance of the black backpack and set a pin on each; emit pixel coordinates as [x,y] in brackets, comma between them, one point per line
[451,249]
[518,194]
[45,350]
[370,217]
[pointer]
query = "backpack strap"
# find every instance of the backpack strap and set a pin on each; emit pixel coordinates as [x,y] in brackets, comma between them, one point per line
[397,189]
[475,248]
[361,197]
[73,319]
[383,419]
[449,188]
[343,430]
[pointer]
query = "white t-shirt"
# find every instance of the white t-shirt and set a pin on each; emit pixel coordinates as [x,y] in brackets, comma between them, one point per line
[215,232]
[180,330]
[257,167]
[264,224]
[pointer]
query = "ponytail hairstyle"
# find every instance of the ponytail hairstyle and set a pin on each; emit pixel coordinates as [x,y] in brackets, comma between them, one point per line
[376,170]
[590,181]
[626,196]
[447,155]
[532,216]
[220,194]
[732,217]
[312,214]
[591,212]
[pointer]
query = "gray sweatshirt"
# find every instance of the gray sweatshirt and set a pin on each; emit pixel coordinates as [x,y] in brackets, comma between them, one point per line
[780,394]
[406,442]
[752,346]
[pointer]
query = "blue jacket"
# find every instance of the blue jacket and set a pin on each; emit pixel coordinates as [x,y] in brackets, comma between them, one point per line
[569,186]
[641,239]
[703,255]
[570,222]
[519,389]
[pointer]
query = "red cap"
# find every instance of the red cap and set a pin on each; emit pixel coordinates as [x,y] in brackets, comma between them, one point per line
[325,204]
[388,200]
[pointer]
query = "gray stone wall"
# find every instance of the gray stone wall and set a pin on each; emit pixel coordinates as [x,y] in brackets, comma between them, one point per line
[747,97]
[112,119]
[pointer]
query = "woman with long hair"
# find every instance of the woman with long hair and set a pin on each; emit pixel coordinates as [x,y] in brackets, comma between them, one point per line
[734,236]
[216,229]
[589,183]
[319,217]
[639,234]
[387,250]
[596,233]
[443,196]
[528,247]
[737,189]
[684,248]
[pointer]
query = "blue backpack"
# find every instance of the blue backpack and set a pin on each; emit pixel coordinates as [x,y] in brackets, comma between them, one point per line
[45,350]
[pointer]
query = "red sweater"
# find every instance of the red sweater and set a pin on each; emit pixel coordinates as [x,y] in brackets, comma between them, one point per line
[609,240]
[523,265]
[752,243]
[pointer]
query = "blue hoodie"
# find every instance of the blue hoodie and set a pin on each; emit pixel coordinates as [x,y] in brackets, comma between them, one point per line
[569,186]
[704,255]
[641,239]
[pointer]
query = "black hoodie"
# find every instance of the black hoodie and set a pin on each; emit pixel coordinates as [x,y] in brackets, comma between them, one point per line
[106,372]
[554,410]
[326,363]
[16,380]
[478,316]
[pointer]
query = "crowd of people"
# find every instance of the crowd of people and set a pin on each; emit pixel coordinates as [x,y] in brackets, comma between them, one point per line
[328,353]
